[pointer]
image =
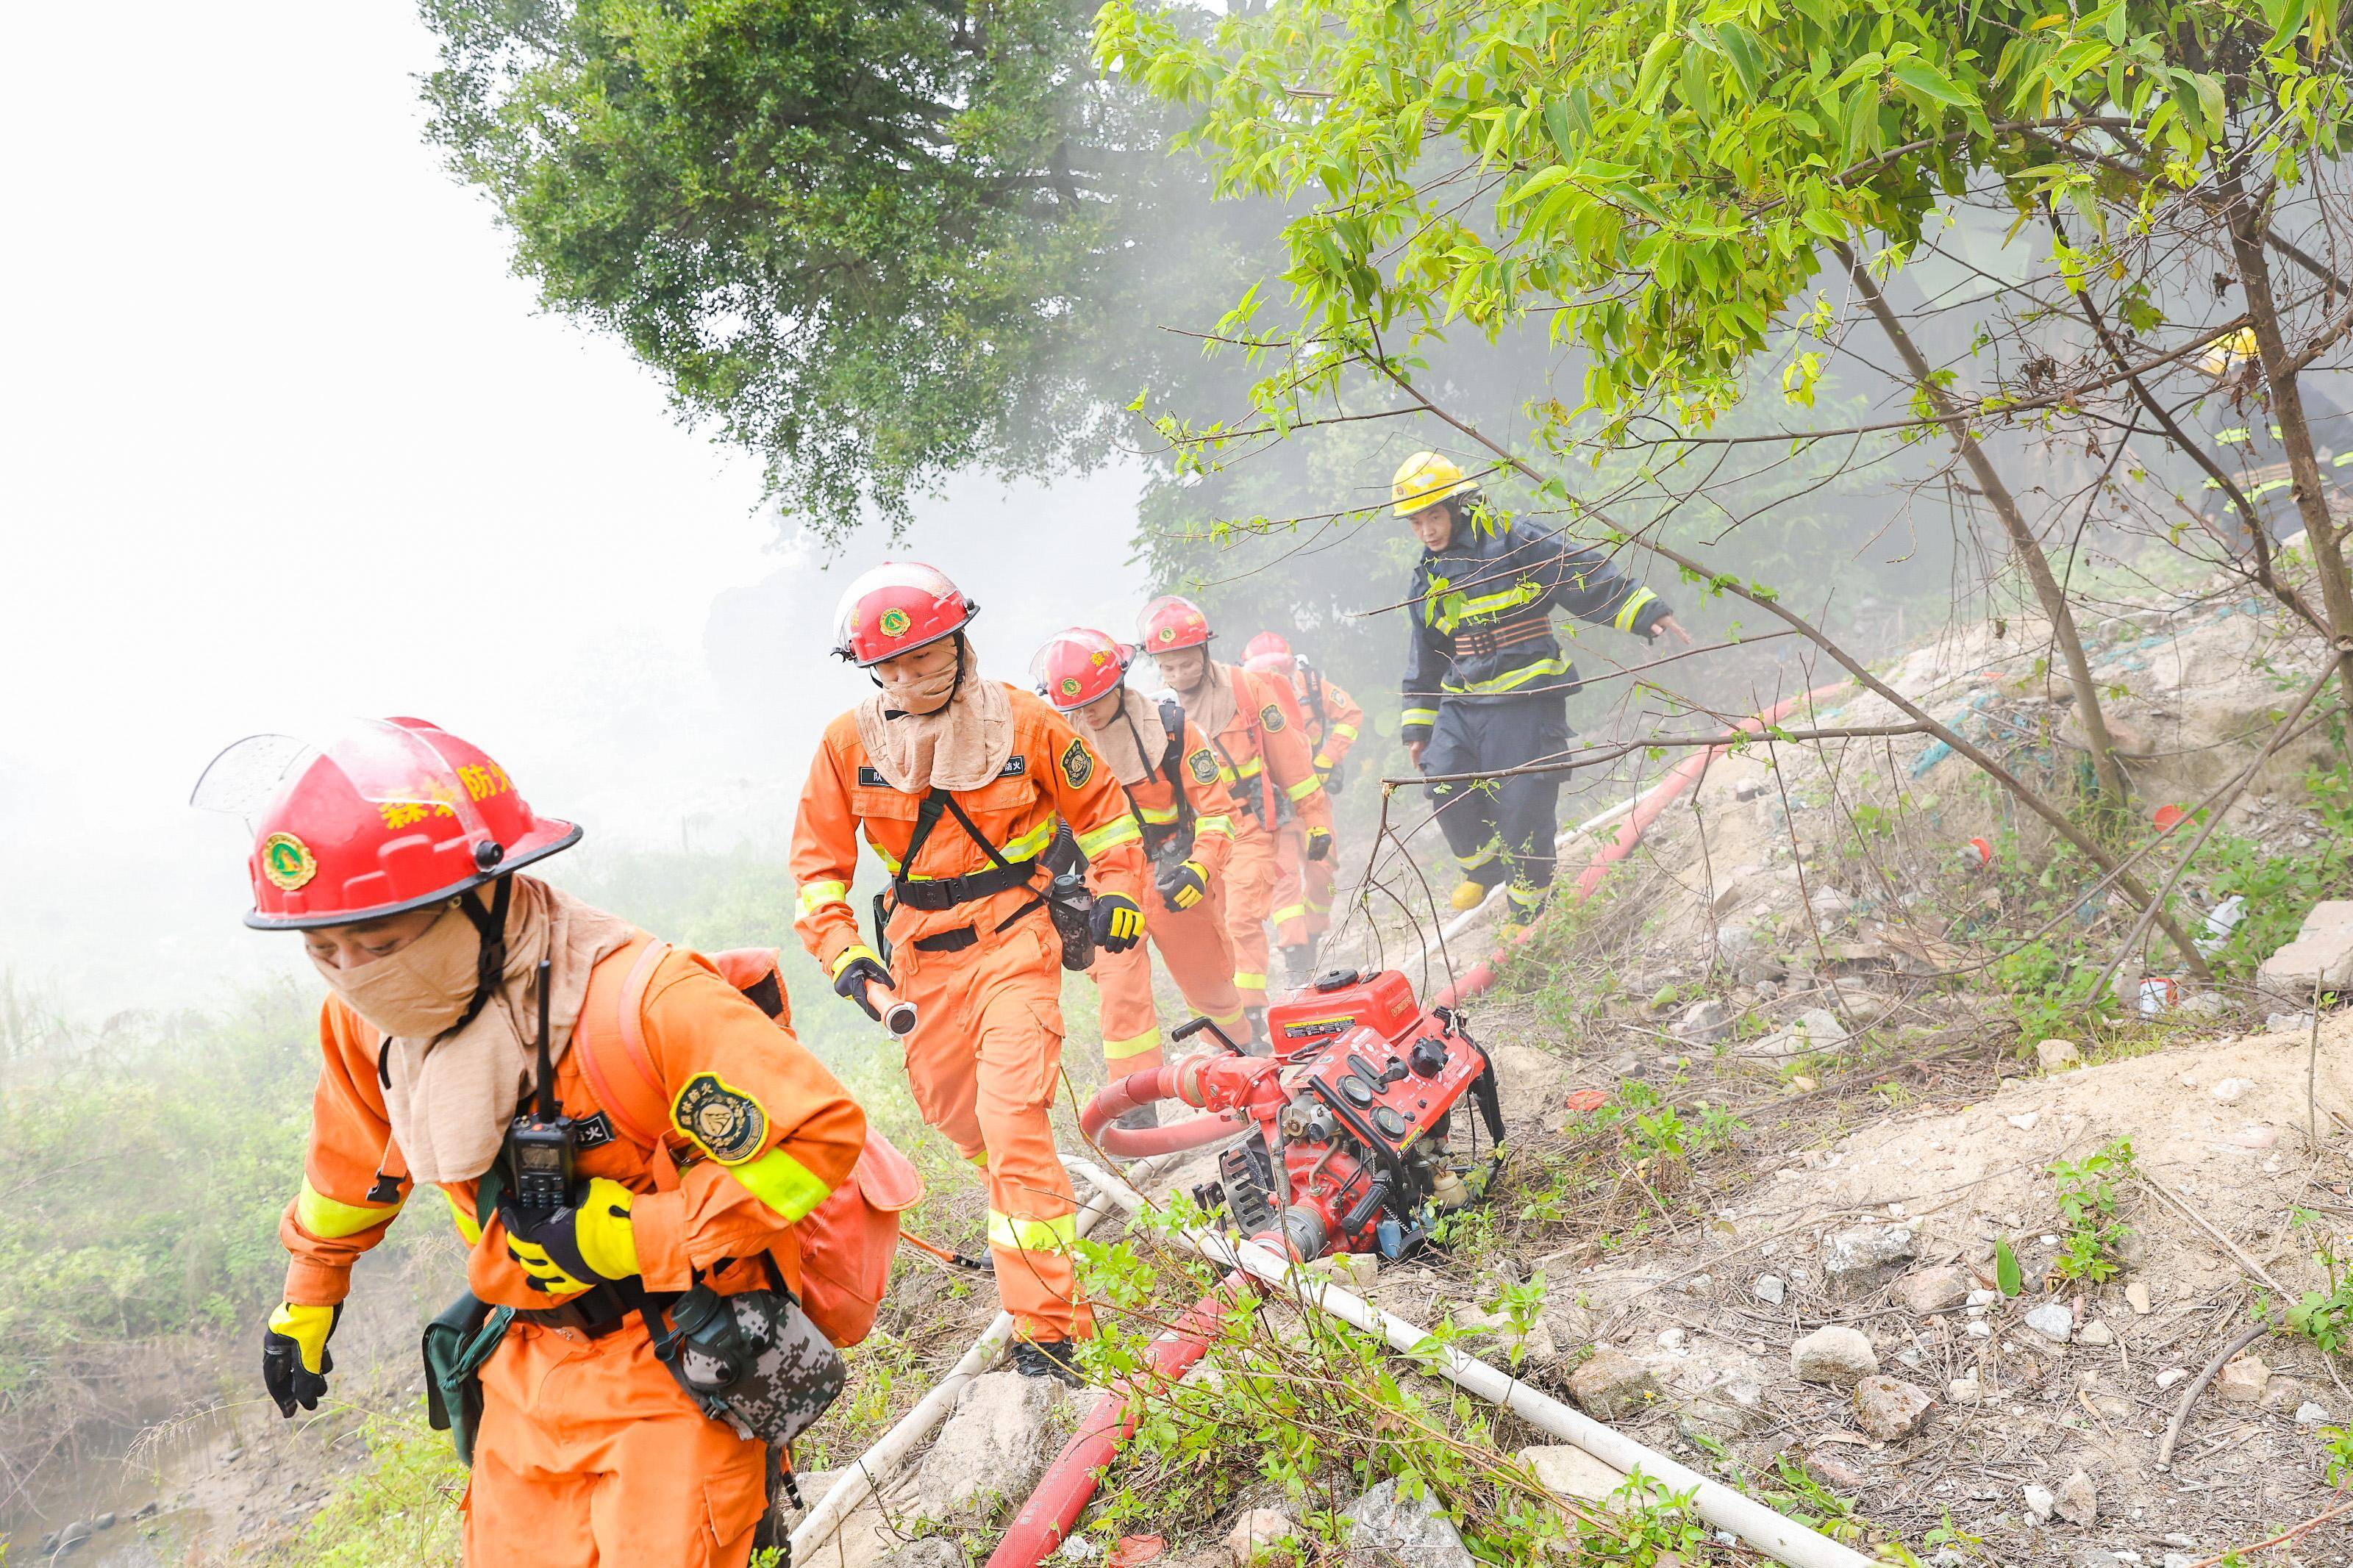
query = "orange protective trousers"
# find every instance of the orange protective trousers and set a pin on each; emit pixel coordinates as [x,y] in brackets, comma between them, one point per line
[590,1456]
[1302,888]
[985,1059]
[1251,872]
[1199,953]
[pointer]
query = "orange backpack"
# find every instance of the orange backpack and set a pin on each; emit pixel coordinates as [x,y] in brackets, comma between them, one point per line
[846,1242]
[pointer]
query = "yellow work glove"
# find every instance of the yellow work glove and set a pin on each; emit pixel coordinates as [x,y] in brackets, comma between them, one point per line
[591,1243]
[1183,886]
[294,1359]
[1119,924]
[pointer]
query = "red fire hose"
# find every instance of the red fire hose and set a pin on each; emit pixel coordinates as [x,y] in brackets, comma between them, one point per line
[1055,1506]
[1621,842]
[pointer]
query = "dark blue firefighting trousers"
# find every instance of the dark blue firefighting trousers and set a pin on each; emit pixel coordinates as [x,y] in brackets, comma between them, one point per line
[1500,830]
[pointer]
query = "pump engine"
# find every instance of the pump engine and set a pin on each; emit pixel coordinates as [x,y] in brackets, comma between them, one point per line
[1354,1112]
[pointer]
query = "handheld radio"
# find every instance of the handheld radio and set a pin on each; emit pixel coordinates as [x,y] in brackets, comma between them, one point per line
[542,1141]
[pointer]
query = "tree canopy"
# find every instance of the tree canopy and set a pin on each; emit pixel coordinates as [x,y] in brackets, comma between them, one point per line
[873,240]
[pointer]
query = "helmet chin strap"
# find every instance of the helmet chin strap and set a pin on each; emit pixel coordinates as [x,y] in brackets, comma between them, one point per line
[489,925]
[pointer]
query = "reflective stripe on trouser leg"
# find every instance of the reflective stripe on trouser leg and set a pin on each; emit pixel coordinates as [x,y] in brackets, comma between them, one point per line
[984,1062]
[1250,873]
[1290,897]
[1320,876]
[1131,1020]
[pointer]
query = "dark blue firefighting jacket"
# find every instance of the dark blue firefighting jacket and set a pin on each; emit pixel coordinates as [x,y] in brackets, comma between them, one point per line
[1482,615]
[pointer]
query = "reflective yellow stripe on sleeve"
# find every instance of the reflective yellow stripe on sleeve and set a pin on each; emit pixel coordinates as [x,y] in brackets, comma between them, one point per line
[1057,1234]
[789,1188]
[1344,732]
[332,1219]
[1119,830]
[1120,1051]
[1304,787]
[1425,717]
[1219,824]
[467,1227]
[814,896]
[1288,912]
[1624,619]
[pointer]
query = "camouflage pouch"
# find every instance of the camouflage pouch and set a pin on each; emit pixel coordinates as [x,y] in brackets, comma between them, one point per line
[754,1360]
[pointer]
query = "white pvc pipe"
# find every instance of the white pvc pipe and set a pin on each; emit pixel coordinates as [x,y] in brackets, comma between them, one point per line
[1783,1540]
[867,1474]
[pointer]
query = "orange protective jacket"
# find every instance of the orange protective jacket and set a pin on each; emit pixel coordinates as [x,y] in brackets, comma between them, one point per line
[1053,776]
[697,1027]
[1333,717]
[1263,748]
[1153,801]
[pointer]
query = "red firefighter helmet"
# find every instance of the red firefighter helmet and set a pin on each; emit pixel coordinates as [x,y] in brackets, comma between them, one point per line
[1077,665]
[1171,622]
[1277,665]
[1264,643]
[895,608]
[386,815]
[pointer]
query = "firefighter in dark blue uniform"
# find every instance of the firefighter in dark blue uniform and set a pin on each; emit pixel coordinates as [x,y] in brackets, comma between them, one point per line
[1486,684]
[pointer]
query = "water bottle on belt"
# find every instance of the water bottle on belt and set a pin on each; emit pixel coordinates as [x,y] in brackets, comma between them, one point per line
[1072,908]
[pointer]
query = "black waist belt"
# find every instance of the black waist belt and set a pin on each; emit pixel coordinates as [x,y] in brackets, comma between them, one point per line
[596,1312]
[953,940]
[948,893]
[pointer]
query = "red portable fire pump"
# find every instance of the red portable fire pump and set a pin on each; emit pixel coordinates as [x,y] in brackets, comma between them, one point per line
[1354,1112]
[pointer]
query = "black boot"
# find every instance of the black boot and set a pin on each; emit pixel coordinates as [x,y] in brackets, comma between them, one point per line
[1050,1357]
[1258,1045]
[1300,961]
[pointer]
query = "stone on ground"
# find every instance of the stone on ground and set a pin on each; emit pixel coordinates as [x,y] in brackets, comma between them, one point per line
[2242,1379]
[1890,1409]
[1834,1355]
[2077,1502]
[2054,1320]
[2137,1297]
[2057,1056]
[993,1450]
[2321,955]
[1612,1385]
[931,1552]
[1769,1289]
[1258,1534]
[1927,1291]
[1857,1259]
[1396,1528]
[1815,1029]
[2095,1333]
[1569,1472]
[1704,1023]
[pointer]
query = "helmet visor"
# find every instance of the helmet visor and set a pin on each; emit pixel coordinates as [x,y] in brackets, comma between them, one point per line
[392,767]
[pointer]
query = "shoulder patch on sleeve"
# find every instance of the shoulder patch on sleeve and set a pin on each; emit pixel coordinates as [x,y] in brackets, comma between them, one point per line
[1204,766]
[724,1123]
[1078,763]
[1272,718]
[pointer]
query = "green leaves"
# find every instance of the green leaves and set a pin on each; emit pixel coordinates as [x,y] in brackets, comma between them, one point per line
[2007,1276]
[1931,83]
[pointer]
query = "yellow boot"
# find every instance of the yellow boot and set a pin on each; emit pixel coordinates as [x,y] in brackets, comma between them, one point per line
[1469,895]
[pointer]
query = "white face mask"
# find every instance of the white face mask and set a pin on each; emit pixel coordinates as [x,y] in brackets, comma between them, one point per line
[923,694]
[422,989]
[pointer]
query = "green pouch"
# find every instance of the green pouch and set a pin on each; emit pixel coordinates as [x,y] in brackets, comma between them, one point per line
[456,1343]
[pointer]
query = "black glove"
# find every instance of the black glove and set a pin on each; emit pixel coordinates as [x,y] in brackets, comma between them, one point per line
[1182,886]
[860,968]
[1119,924]
[1319,843]
[285,1377]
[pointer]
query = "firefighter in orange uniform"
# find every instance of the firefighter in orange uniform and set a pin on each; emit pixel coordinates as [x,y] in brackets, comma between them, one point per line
[1185,814]
[960,785]
[1253,726]
[1302,888]
[394,849]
